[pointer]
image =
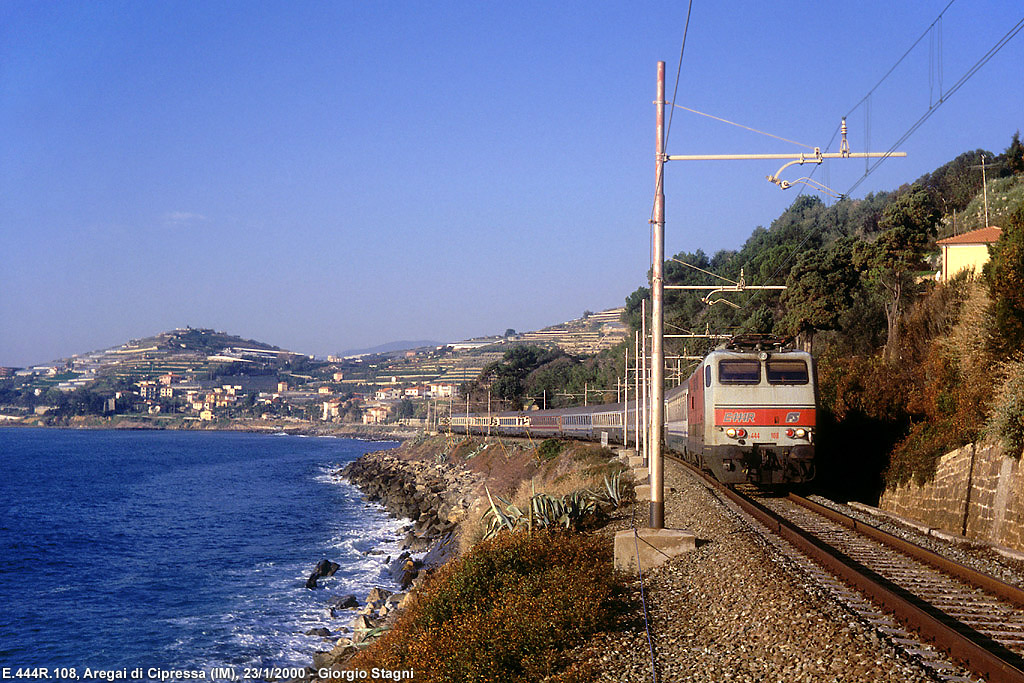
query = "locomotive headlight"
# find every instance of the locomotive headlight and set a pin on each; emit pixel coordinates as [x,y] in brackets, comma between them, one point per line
[801,433]
[731,432]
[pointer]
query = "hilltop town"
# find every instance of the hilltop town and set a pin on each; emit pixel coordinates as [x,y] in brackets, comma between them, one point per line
[202,378]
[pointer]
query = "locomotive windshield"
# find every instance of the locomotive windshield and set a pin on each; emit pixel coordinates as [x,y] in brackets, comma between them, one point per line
[788,371]
[777,371]
[739,371]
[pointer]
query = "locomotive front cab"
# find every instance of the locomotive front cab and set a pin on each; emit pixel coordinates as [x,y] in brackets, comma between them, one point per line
[760,416]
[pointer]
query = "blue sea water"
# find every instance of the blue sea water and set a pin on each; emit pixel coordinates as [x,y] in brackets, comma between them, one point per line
[178,550]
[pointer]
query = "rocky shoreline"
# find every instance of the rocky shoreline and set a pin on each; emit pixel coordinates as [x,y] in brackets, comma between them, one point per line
[436,495]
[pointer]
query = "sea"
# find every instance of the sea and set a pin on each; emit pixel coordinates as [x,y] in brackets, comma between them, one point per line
[138,553]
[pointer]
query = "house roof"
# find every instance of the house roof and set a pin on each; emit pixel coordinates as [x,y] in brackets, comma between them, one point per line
[981,236]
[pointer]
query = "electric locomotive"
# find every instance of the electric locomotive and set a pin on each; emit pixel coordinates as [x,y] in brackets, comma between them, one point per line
[749,413]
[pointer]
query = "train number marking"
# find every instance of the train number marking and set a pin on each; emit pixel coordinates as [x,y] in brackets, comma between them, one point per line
[738,418]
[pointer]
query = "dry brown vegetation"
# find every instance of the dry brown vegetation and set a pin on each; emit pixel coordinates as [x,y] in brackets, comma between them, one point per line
[516,469]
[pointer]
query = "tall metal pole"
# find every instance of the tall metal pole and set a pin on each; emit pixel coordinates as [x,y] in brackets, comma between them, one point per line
[657,322]
[625,399]
[984,185]
[636,393]
[644,384]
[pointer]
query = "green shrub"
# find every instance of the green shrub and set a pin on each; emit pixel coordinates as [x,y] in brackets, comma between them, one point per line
[507,611]
[1006,421]
[549,449]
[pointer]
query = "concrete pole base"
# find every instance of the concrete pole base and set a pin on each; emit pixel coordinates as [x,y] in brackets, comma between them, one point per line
[625,452]
[643,492]
[656,547]
[636,461]
[641,475]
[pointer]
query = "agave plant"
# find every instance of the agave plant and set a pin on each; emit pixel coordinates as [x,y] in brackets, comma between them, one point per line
[613,488]
[544,511]
[370,636]
[576,506]
[496,519]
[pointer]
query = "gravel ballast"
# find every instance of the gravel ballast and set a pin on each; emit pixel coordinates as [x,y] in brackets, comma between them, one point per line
[733,610]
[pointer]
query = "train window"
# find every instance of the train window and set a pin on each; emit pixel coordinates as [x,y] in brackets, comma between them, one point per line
[707,375]
[739,371]
[786,371]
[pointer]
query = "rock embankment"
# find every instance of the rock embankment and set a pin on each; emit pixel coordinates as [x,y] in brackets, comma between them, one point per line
[435,495]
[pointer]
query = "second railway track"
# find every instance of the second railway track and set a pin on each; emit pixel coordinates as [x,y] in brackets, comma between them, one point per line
[922,601]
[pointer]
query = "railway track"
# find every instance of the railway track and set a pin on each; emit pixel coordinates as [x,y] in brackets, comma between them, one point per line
[928,605]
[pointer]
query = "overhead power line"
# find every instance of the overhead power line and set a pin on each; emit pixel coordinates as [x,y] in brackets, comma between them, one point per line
[943,97]
[917,124]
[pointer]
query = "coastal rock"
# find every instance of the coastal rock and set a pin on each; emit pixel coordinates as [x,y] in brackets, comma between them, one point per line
[342,651]
[322,660]
[395,566]
[327,568]
[362,625]
[399,569]
[378,594]
[416,543]
[410,571]
[347,601]
[322,632]
[323,568]
[442,550]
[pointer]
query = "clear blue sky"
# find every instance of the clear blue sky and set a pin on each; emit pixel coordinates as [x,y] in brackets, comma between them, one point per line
[331,175]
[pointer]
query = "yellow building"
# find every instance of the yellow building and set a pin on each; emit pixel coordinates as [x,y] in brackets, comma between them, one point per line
[968,251]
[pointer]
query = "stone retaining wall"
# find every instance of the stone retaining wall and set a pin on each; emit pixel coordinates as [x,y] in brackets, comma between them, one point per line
[977,491]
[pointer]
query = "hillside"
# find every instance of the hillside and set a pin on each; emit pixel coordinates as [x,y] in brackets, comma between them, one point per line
[191,376]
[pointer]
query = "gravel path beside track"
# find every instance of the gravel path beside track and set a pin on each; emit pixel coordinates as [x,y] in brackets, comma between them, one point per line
[732,611]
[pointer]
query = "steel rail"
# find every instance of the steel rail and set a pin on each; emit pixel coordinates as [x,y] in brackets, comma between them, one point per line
[976,651]
[990,583]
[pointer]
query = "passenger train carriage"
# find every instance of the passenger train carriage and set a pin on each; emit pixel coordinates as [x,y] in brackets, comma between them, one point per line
[746,414]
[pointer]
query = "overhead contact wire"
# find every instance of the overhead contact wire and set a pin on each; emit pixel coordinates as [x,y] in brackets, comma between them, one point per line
[943,97]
